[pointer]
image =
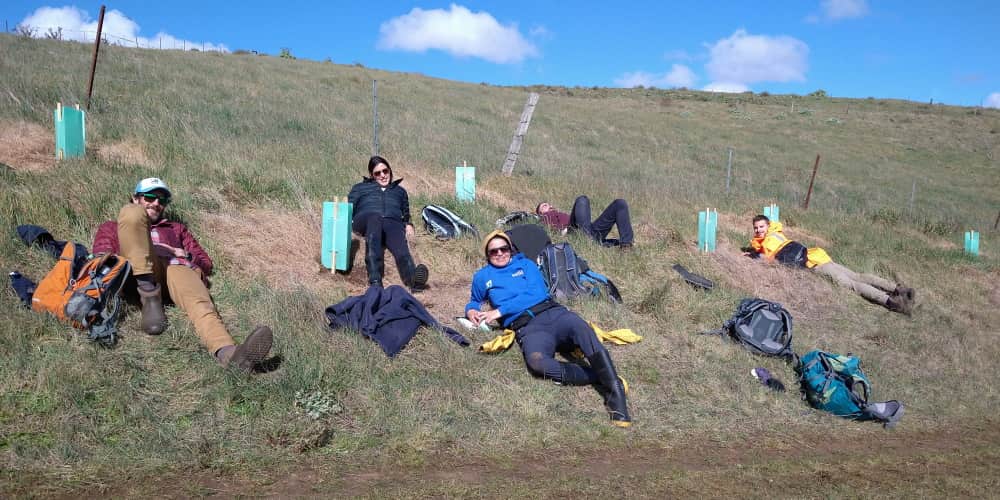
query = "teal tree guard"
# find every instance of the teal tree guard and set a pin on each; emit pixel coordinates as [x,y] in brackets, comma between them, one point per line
[335,247]
[772,212]
[708,223]
[465,183]
[71,132]
[972,243]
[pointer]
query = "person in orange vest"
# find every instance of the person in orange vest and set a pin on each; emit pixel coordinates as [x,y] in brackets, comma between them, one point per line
[770,242]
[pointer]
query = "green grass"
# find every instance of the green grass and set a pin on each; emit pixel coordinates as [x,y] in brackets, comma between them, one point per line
[235,134]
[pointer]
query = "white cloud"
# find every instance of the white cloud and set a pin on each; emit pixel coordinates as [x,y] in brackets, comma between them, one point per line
[727,87]
[678,55]
[678,76]
[743,59]
[540,31]
[844,9]
[636,79]
[118,28]
[992,100]
[457,31]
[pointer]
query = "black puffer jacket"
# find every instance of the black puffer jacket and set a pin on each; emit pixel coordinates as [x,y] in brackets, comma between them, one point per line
[368,197]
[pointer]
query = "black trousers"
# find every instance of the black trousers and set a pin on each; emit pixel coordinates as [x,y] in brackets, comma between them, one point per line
[381,233]
[616,214]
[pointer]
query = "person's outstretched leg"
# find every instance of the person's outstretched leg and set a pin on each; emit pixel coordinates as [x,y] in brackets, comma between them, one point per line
[877,282]
[608,383]
[371,228]
[188,291]
[579,217]
[413,275]
[849,279]
[616,214]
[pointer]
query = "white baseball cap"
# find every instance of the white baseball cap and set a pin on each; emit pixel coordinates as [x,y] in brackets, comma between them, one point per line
[152,184]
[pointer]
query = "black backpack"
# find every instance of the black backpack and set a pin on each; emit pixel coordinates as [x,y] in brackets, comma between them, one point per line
[762,327]
[568,275]
[444,224]
[529,239]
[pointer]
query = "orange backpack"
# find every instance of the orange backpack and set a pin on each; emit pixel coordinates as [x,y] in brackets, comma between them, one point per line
[90,300]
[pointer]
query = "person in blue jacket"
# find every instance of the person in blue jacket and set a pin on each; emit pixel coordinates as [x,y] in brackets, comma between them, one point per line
[382,217]
[514,287]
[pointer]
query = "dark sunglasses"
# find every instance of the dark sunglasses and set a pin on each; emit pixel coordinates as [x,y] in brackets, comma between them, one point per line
[498,250]
[376,173]
[151,197]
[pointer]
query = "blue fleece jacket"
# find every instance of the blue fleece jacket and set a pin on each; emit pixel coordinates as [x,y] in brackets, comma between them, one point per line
[512,289]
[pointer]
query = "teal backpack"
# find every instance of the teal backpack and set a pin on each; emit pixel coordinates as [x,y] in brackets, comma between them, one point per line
[835,383]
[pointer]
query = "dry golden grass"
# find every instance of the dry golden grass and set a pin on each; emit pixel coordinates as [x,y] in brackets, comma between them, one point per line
[27,146]
[809,297]
[282,247]
[129,152]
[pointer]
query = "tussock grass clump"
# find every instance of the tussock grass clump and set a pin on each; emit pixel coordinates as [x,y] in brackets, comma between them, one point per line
[251,146]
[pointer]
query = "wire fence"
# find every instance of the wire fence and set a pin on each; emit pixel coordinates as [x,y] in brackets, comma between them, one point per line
[87,36]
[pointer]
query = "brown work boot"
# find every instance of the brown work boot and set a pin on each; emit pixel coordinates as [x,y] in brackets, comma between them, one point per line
[253,350]
[154,321]
[898,303]
[904,291]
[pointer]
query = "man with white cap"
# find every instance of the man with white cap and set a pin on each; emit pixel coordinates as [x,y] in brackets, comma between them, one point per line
[164,252]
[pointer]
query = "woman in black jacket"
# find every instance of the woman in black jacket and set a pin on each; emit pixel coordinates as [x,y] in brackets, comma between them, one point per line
[382,217]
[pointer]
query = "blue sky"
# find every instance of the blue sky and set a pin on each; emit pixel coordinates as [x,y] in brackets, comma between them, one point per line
[917,50]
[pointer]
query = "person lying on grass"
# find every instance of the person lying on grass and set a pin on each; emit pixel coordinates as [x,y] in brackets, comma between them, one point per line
[165,253]
[382,217]
[769,241]
[616,214]
[514,286]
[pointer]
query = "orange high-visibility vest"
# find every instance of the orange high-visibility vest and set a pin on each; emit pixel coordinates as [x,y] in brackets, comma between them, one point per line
[775,240]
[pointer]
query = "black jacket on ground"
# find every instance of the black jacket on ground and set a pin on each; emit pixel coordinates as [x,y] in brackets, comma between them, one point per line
[390,316]
[392,203]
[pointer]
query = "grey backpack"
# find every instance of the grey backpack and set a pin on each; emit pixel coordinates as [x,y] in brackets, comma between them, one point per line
[762,327]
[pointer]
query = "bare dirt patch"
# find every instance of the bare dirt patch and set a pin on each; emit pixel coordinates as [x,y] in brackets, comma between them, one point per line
[27,146]
[866,459]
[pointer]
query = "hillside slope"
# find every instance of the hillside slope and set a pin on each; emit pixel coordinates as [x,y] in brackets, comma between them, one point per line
[252,145]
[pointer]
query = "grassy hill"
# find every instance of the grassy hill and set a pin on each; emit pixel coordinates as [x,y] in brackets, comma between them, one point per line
[252,145]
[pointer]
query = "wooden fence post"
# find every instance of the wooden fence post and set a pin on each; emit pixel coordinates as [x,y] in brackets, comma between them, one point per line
[522,129]
[93,64]
[811,180]
[729,169]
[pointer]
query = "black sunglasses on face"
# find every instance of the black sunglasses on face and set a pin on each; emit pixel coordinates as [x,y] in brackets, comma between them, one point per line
[498,251]
[377,173]
[151,197]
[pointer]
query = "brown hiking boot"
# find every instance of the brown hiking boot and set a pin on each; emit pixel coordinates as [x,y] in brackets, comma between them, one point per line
[253,350]
[906,292]
[898,303]
[154,321]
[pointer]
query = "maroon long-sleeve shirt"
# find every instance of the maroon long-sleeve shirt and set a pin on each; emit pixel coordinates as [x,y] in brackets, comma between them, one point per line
[558,220]
[168,232]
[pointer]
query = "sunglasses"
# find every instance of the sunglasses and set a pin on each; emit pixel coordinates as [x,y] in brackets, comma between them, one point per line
[151,197]
[377,173]
[498,251]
